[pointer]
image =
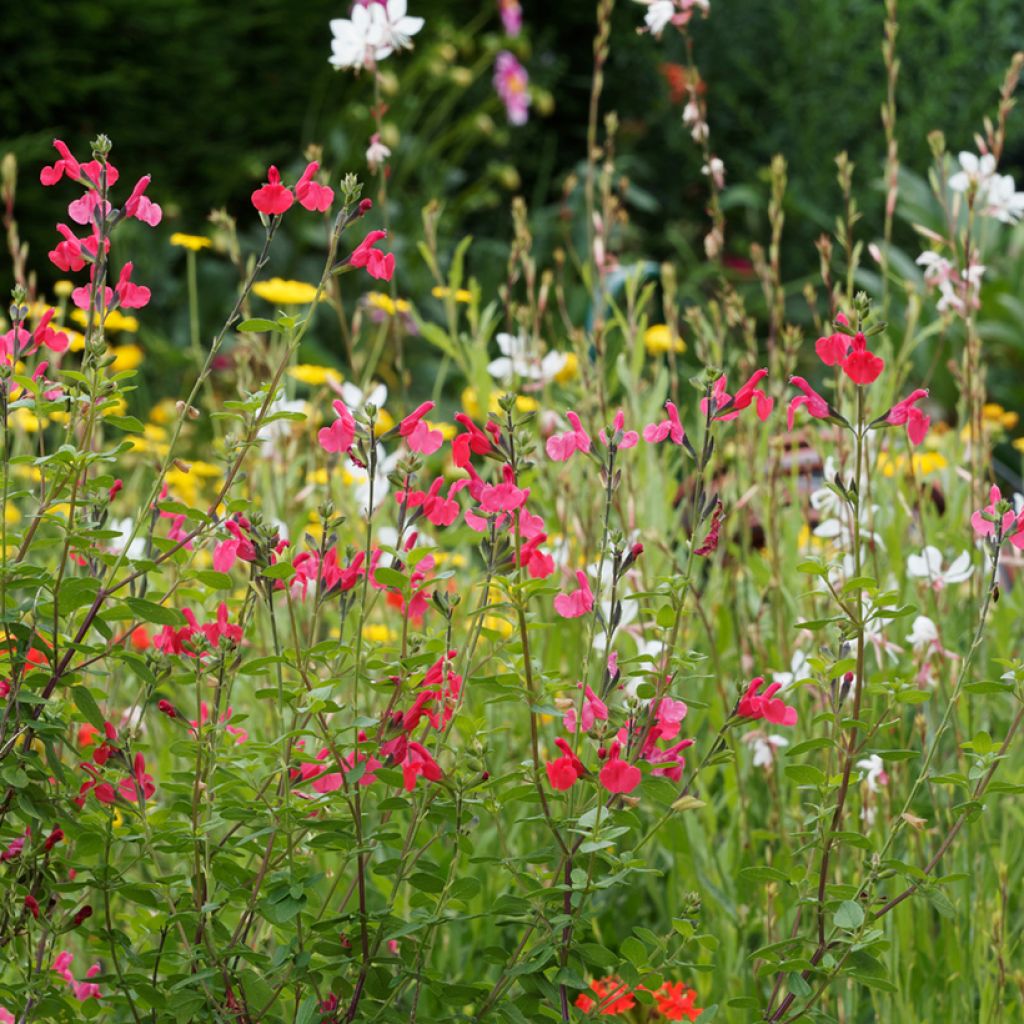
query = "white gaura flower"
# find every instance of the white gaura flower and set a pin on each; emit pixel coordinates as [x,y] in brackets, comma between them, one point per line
[124,527]
[799,670]
[359,478]
[1003,201]
[395,26]
[874,772]
[272,434]
[357,400]
[764,747]
[923,634]
[928,566]
[373,32]
[974,171]
[516,360]
[658,15]
[825,501]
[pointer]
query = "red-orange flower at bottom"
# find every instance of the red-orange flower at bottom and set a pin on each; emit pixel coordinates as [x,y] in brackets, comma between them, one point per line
[613,996]
[676,1002]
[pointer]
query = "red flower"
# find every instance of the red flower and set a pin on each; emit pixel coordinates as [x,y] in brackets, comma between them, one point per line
[578,602]
[338,437]
[618,776]
[676,1002]
[132,296]
[613,997]
[862,366]
[816,405]
[66,165]
[139,206]
[273,198]
[765,705]
[906,412]
[670,429]
[378,264]
[311,194]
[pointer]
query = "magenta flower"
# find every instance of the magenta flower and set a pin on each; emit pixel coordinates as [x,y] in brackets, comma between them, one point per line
[511,84]
[511,17]
[141,207]
[131,296]
[618,776]
[905,412]
[503,497]
[578,602]
[561,447]
[594,710]
[338,437]
[861,366]
[985,519]
[311,194]
[623,438]
[765,705]
[273,198]
[378,264]
[816,405]
[67,164]
[670,429]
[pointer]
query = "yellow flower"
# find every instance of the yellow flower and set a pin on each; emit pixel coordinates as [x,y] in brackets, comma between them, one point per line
[378,633]
[63,288]
[318,477]
[658,340]
[924,463]
[379,300]
[76,339]
[193,242]
[1018,443]
[806,539]
[279,292]
[165,411]
[206,469]
[11,515]
[115,321]
[154,432]
[499,625]
[994,413]
[27,420]
[471,403]
[126,357]
[461,294]
[569,371]
[448,430]
[314,376]
[37,309]
[384,422]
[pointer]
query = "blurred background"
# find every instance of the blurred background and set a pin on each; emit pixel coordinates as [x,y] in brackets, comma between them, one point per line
[205,95]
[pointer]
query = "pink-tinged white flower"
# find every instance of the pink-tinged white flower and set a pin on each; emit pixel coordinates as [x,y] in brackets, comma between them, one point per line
[873,768]
[511,17]
[928,566]
[923,635]
[511,82]
[658,16]
[694,120]
[669,429]
[765,704]
[1002,200]
[560,447]
[959,290]
[715,170]
[373,32]
[518,360]
[817,406]
[376,153]
[338,437]
[577,602]
[975,172]
[764,747]
[397,26]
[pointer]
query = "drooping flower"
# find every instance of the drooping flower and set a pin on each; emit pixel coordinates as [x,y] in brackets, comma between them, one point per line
[273,198]
[511,82]
[578,602]
[861,366]
[765,705]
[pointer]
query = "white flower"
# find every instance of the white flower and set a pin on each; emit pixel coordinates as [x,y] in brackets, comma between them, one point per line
[1003,201]
[875,776]
[799,670]
[658,16]
[376,153]
[928,566]
[360,478]
[974,171]
[825,500]
[517,360]
[124,527]
[372,33]
[271,434]
[715,169]
[357,400]
[923,634]
[764,747]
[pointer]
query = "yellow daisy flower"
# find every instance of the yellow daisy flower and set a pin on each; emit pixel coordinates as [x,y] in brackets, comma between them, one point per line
[384,302]
[313,375]
[279,292]
[658,340]
[461,294]
[126,357]
[192,242]
[115,321]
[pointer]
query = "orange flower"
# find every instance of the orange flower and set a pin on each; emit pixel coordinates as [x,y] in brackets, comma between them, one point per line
[676,1001]
[613,996]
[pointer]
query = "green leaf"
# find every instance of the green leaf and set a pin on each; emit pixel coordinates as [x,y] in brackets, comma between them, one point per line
[86,703]
[256,324]
[128,423]
[850,915]
[280,571]
[805,774]
[150,611]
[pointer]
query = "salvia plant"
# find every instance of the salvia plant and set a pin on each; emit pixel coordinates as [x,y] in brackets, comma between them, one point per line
[602,673]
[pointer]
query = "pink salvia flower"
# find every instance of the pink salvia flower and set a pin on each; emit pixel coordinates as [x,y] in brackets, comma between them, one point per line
[273,198]
[578,602]
[311,194]
[378,264]
[139,206]
[624,438]
[338,437]
[765,705]
[905,412]
[67,255]
[67,164]
[670,429]
[618,776]
[560,447]
[593,710]
[816,405]
[131,296]
[503,497]
[748,393]
[984,520]
[861,366]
